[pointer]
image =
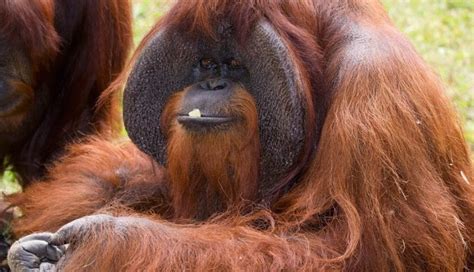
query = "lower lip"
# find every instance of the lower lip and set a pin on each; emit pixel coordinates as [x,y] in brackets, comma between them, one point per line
[204,122]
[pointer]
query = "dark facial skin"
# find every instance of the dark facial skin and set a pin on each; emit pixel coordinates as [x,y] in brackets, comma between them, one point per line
[263,67]
[211,95]
[17,103]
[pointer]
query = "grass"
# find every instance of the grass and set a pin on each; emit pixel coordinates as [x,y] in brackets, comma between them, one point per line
[145,14]
[441,30]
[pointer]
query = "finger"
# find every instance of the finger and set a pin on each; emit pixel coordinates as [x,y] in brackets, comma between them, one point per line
[36,247]
[20,259]
[38,244]
[30,255]
[33,252]
[47,267]
[44,236]
[54,253]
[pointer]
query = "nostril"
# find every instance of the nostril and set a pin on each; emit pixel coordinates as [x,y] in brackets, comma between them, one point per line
[219,86]
[215,85]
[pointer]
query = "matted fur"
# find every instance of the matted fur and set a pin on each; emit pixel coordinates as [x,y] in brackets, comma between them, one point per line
[212,172]
[77,48]
[35,21]
[388,186]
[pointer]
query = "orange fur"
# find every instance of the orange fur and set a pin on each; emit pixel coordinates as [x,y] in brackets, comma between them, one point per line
[75,50]
[387,188]
[220,169]
[132,181]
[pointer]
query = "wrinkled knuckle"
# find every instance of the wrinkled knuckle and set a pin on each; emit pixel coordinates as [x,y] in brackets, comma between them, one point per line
[15,250]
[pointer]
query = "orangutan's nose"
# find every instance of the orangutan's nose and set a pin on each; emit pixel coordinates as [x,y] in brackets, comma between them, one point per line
[214,84]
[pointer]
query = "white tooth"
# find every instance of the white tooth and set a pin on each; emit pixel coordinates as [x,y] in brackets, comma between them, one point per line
[195,113]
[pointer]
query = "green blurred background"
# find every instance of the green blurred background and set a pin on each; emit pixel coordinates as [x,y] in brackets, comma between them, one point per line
[441,30]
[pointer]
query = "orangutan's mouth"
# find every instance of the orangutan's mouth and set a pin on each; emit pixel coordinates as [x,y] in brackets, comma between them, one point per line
[203,121]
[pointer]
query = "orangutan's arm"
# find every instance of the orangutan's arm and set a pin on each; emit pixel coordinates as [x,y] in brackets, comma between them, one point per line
[93,176]
[137,244]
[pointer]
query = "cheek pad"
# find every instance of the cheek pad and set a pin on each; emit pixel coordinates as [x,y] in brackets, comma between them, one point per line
[165,66]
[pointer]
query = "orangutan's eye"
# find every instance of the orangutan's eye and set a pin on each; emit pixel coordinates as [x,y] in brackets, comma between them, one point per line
[207,63]
[234,64]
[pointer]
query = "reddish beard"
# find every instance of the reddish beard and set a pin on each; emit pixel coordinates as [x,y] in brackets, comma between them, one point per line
[211,171]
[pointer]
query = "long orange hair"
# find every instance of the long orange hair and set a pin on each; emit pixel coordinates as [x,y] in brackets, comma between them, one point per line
[386,185]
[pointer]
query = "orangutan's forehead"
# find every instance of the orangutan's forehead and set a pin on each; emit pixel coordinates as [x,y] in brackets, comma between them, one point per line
[224,44]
